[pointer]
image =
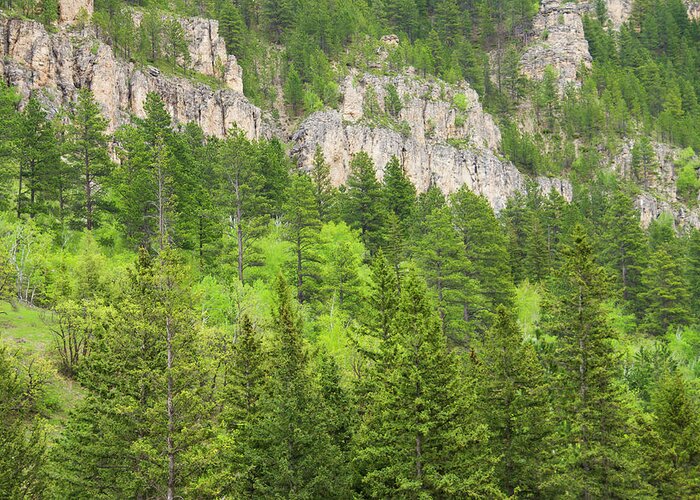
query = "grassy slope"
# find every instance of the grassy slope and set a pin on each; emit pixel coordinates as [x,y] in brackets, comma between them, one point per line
[26,332]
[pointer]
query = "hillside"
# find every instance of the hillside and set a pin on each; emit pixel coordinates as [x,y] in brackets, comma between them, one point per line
[350,249]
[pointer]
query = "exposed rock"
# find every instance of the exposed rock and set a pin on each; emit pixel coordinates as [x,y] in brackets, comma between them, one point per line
[425,163]
[559,42]
[69,10]
[427,106]
[60,64]
[693,10]
[391,40]
[207,50]
[618,11]
[651,208]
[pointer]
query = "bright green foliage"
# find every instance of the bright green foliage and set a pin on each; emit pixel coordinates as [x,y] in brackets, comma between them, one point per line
[141,421]
[363,206]
[418,435]
[392,101]
[340,258]
[688,183]
[87,151]
[512,393]
[22,441]
[485,245]
[596,451]
[176,46]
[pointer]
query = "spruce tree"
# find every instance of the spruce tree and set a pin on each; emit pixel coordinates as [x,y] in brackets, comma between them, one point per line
[324,192]
[512,394]
[418,436]
[303,226]
[485,244]
[596,449]
[294,455]
[87,151]
[363,208]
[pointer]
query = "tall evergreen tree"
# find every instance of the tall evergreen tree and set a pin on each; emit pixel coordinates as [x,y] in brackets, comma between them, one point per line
[87,150]
[363,208]
[597,452]
[418,436]
[512,394]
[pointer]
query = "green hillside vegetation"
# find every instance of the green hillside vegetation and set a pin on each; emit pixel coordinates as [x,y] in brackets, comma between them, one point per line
[202,320]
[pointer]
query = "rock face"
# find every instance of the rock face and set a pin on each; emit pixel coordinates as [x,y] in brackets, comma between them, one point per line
[60,64]
[207,50]
[438,114]
[693,10]
[69,10]
[559,41]
[618,11]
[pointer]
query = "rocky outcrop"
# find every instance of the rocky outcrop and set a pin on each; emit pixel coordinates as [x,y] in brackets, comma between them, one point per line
[651,208]
[206,50]
[559,42]
[693,9]
[435,111]
[59,64]
[70,10]
[425,163]
[618,11]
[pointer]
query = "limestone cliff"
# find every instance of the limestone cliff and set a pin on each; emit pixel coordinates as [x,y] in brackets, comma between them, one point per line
[58,64]
[559,41]
[436,118]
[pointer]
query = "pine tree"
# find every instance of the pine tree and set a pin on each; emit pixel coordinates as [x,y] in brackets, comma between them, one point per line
[644,162]
[233,28]
[418,436]
[443,258]
[294,454]
[398,191]
[303,226]
[363,208]
[22,441]
[324,192]
[677,423]
[665,294]
[140,428]
[87,150]
[485,244]
[693,272]
[512,396]
[294,90]
[38,158]
[596,450]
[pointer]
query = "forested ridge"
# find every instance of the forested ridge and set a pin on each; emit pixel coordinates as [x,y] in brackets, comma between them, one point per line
[184,316]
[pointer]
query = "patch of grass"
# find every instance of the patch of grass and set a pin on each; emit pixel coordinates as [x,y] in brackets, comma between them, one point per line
[26,332]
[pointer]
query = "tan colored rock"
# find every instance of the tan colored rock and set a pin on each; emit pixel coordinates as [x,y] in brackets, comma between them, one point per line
[58,65]
[618,11]
[559,42]
[425,163]
[693,10]
[69,10]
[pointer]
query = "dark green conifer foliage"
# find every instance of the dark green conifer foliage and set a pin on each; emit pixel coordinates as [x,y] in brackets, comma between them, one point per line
[87,152]
[693,273]
[22,442]
[677,423]
[303,225]
[324,192]
[139,430]
[38,159]
[665,294]
[597,455]
[443,258]
[399,192]
[623,242]
[294,455]
[418,436]
[364,208]
[485,244]
[232,28]
[513,396]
